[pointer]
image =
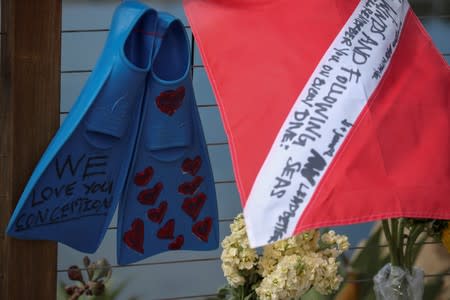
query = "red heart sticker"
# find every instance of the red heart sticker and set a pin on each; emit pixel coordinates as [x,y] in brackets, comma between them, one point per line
[189,188]
[166,232]
[134,238]
[193,206]
[157,214]
[144,177]
[149,196]
[202,229]
[169,101]
[177,244]
[192,166]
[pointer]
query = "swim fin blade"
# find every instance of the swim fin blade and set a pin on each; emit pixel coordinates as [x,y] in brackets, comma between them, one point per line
[74,189]
[170,200]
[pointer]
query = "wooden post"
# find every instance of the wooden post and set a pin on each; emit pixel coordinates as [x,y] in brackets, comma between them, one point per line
[29,116]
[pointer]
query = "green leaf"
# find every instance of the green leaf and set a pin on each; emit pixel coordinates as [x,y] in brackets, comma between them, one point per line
[250,296]
[223,292]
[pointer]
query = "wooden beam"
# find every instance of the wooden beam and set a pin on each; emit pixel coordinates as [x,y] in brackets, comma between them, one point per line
[29,116]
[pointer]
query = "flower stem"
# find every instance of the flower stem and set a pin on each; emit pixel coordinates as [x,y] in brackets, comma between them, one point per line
[400,236]
[387,234]
[414,234]
[394,234]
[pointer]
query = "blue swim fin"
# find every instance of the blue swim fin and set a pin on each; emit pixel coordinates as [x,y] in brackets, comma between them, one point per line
[170,200]
[74,190]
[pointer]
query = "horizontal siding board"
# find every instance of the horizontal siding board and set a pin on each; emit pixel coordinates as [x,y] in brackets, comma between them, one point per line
[197,56]
[167,281]
[221,163]
[439,30]
[68,256]
[89,14]
[228,200]
[80,50]
[86,14]
[72,84]
[202,88]
[212,125]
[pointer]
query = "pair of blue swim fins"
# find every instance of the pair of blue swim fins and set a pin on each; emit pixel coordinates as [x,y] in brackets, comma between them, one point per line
[133,139]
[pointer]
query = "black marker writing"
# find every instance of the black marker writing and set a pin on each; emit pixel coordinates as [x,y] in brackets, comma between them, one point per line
[94,187]
[95,166]
[49,193]
[68,162]
[284,218]
[332,146]
[312,168]
[362,52]
[284,181]
[76,209]
[291,132]
[337,54]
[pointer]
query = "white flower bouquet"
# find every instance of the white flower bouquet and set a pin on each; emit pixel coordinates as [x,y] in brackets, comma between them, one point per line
[286,269]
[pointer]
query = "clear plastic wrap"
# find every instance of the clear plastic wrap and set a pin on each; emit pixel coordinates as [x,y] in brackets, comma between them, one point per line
[396,283]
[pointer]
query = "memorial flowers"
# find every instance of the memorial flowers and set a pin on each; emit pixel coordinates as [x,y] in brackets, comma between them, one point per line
[284,270]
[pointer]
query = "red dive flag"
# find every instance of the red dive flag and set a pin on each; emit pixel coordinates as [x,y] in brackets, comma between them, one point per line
[337,111]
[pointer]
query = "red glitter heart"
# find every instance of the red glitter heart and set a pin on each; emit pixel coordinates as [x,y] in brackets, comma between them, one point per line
[144,177]
[134,238]
[177,244]
[169,101]
[149,196]
[193,206]
[202,229]
[189,188]
[166,232]
[192,166]
[157,214]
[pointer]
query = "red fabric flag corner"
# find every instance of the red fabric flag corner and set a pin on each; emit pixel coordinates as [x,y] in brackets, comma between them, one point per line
[337,111]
